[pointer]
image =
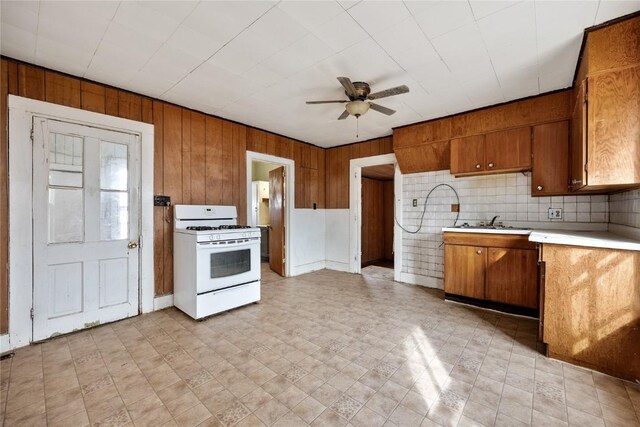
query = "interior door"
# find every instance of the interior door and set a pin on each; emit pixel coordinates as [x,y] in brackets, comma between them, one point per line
[276,220]
[85,230]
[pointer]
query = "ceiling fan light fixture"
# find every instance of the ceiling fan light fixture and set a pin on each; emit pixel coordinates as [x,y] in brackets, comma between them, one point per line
[357,107]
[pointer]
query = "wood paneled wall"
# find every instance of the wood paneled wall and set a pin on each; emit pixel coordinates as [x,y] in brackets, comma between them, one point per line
[372,232]
[197,158]
[377,220]
[337,168]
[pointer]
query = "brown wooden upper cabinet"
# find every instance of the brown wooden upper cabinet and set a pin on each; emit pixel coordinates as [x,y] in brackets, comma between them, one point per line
[495,152]
[550,158]
[467,155]
[605,140]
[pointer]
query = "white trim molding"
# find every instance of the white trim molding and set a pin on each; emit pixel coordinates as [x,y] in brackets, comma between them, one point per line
[355,211]
[289,201]
[162,302]
[21,113]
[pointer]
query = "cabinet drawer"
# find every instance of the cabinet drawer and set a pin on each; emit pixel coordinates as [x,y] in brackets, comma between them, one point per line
[516,241]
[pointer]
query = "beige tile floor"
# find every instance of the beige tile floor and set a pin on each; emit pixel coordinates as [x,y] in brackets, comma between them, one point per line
[326,348]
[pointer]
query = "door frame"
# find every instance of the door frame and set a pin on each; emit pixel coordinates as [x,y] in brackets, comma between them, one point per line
[289,179]
[21,114]
[355,211]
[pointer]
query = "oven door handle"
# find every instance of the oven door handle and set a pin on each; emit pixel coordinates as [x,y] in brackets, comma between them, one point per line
[220,245]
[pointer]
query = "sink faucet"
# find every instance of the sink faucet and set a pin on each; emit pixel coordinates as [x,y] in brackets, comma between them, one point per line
[494,220]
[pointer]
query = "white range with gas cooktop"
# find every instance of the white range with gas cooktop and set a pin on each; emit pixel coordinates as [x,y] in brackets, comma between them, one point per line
[216,263]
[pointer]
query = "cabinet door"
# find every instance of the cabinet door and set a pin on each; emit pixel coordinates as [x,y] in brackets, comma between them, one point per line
[614,128]
[467,155]
[512,276]
[550,159]
[508,150]
[464,270]
[579,139]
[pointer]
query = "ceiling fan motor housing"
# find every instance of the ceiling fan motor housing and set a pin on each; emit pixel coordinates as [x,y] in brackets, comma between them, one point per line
[362,91]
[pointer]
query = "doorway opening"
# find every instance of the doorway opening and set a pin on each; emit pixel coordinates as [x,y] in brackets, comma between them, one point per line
[377,207]
[268,212]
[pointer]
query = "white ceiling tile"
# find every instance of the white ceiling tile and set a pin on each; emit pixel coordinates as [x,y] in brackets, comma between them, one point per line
[272,57]
[482,8]
[402,37]
[461,48]
[137,16]
[17,43]
[194,43]
[523,88]
[610,9]
[376,16]
[243,52]
[311,14]
[437,18]
[279,29]
[20,14]
[130,42]
[62,57]
[300,55]
[83,35]
[262,76]
[176,10]
[221,21]
[340,32]
[347,4]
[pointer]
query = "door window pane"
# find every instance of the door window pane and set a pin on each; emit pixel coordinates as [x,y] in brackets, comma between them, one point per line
[66,158]
[114,215]
[66,209]
[113,166]
[226,264]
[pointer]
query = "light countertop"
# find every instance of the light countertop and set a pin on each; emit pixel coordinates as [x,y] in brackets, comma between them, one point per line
[594,239]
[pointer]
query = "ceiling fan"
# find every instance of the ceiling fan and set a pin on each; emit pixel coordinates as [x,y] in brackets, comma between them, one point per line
[360,95]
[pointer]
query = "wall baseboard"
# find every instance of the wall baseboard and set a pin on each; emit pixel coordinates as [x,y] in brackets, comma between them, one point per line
[426,281]
[4,343]
[307,268]
[162,302]
[336,265]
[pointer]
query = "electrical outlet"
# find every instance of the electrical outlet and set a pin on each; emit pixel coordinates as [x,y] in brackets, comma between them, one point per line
[161,201]
[555,213]
[415,203]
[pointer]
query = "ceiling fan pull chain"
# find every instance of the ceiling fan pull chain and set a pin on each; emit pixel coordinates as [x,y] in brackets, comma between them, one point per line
[357,127]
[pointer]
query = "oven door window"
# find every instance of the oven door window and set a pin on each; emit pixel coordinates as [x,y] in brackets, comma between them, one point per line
[225,264]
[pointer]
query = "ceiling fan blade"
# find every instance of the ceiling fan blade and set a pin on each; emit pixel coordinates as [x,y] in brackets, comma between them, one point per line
[389,92]
[348,86]
[344,115]
[381,109]
[328,102]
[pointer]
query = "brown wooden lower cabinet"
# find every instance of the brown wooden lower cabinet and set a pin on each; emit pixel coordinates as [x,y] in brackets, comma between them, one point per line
[592,308]
[465,268]
[497,268]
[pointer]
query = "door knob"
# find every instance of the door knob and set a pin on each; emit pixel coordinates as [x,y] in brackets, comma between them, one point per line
[491,165]
[539,187]
[478,166]
[132,245]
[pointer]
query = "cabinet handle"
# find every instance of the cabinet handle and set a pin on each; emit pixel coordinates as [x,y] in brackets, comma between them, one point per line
[479,252]
[576,181]
[478,166]
[539,187]
[491,165]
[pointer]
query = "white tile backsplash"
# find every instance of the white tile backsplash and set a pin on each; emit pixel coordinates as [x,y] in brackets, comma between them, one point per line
[481,198]
[625,208]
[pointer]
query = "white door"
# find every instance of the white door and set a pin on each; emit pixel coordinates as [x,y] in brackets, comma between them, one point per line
[85,229]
